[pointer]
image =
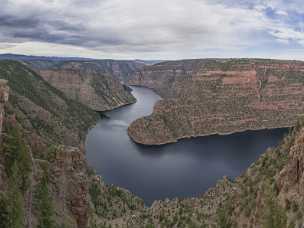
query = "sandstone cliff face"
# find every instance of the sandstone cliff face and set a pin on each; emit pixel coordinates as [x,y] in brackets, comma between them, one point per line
[204,97]
[69,182]
[123,70]
[269,194]
[94,84]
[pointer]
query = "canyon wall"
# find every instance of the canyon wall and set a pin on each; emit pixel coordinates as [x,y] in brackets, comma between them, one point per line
[44,181]
[94,84]
[219,96]
[53,187]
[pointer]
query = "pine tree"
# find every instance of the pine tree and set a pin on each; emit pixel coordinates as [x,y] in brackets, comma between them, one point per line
[17,163]
[274,214]
[16,152]
[4,211]
[15,201]
[43,204]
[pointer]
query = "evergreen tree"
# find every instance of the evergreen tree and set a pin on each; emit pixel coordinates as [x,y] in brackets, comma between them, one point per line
[274,214]
[15,201]
[4,211]
[17,163]
[224,214]
[16,152]
[43,204]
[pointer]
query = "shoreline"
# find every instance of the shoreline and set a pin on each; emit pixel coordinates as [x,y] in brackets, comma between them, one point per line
[207,135]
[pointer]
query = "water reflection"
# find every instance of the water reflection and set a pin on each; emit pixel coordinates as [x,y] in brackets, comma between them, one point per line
[183,169]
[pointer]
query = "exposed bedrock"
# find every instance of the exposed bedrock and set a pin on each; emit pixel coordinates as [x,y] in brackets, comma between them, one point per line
[87,83]
[209,96]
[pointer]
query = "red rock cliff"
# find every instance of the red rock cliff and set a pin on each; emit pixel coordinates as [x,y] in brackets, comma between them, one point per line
[209,96]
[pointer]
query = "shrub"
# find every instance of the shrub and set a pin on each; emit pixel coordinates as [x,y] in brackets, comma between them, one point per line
[275,216]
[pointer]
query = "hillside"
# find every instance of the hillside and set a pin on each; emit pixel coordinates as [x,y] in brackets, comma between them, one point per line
[268,195]
[119,69]
[53,186]
[219,96]
[44,181]
[95,84]
[42,110]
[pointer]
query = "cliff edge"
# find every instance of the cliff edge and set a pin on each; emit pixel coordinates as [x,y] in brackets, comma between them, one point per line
[219,96]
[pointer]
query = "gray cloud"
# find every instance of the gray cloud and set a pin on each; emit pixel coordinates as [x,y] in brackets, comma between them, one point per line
[14,22]
[172,28]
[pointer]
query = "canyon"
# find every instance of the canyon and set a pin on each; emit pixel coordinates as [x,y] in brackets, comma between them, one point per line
[43,127]
[44,177]
[95,84]
[218,96]
[179,170]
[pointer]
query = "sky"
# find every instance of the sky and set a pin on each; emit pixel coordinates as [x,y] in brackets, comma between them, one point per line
[153,29]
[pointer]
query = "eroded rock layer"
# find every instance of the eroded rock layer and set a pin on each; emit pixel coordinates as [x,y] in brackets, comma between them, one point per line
[95,84]
[43,183]
[210,96]
[54,187]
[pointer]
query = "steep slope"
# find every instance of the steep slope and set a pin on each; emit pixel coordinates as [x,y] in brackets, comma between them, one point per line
[122,70]
[49,186]
[212,96]
[55,188]
[93,83]
[268,194]
[43,111]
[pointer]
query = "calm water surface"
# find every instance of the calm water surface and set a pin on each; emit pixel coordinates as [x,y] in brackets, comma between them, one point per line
[183,169]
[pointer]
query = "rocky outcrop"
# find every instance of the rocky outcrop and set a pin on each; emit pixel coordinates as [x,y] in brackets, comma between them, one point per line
[70,186]
[123,70]
[95,84]
[209,96]
[4,94]
[55,187]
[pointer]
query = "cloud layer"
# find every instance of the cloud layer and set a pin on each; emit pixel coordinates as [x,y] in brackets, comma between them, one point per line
[156,29]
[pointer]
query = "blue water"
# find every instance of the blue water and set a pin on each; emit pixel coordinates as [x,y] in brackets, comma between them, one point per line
[183,169]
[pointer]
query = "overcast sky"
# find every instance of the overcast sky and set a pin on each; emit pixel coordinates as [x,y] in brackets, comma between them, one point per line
[153,29]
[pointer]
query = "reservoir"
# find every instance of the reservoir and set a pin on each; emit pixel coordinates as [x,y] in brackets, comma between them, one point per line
[184,169]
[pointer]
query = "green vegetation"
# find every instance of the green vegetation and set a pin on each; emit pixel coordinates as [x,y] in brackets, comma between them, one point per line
[4,211]
[17,167]
[95,193]
[224,215]
[112,202]
[11,207]
[16,154]
[43,204]
[63,112]
[275,215]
